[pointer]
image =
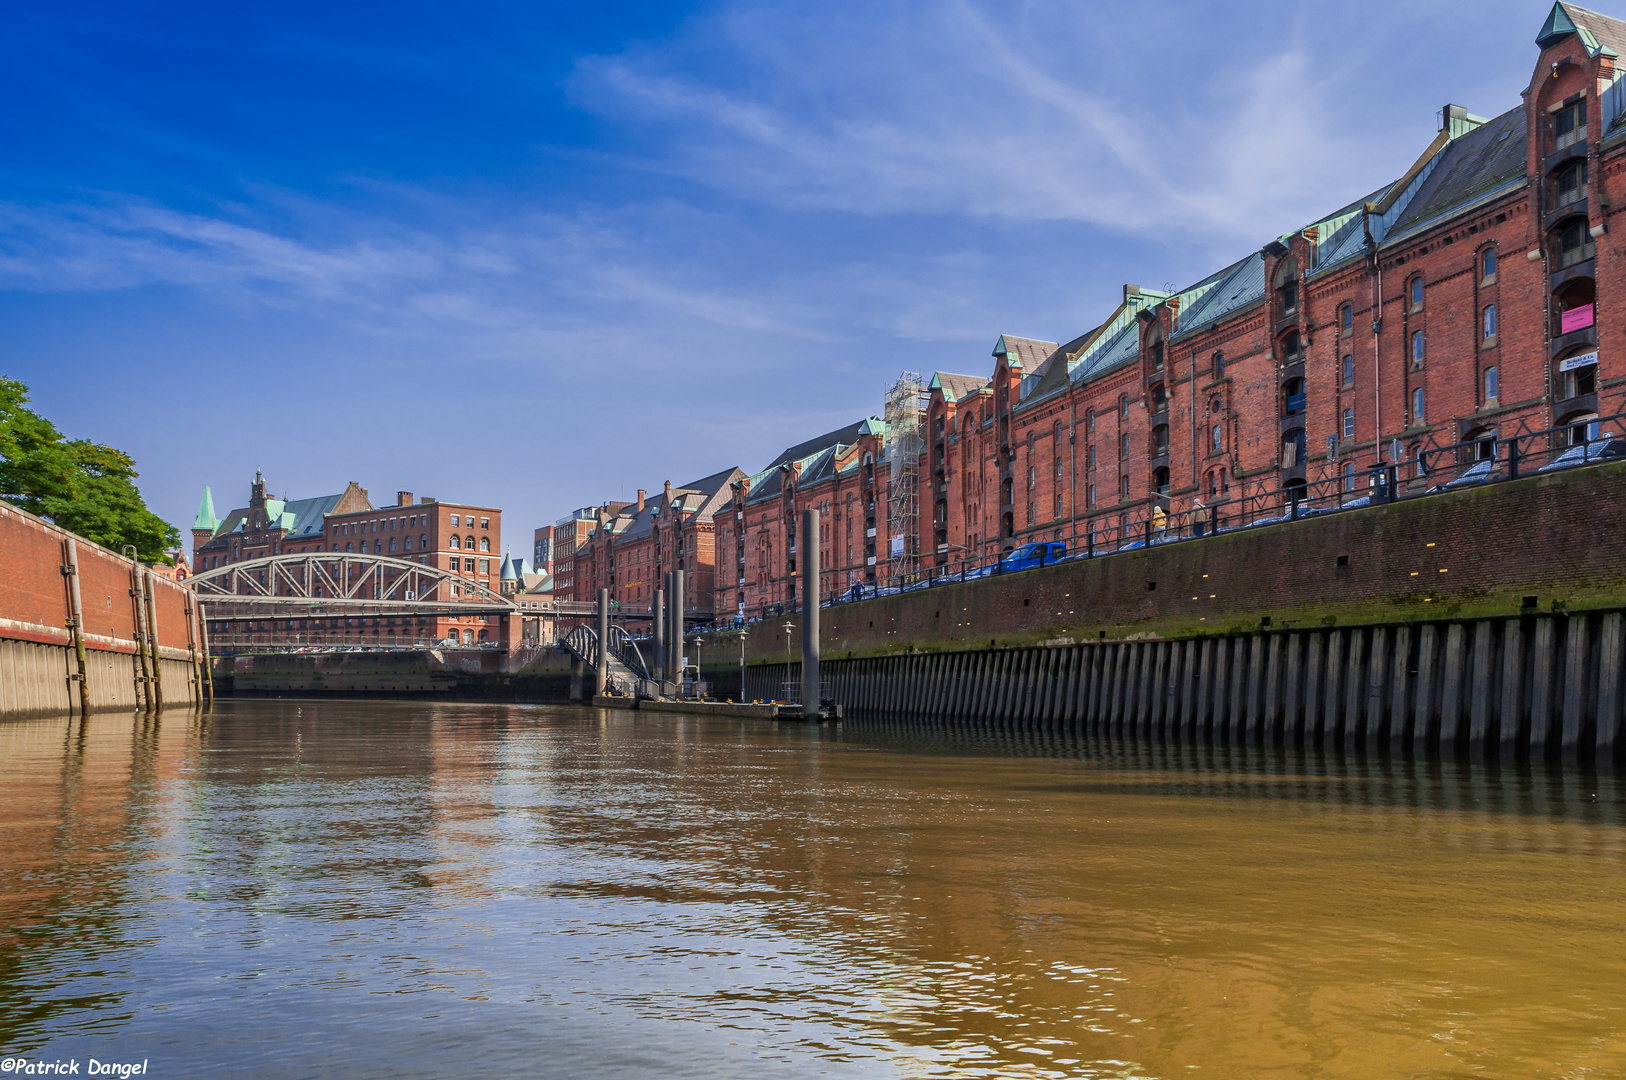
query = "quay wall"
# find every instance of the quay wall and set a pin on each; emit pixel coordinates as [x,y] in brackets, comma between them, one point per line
[443,674]
[1554,543]
[39,668]
[1533,687]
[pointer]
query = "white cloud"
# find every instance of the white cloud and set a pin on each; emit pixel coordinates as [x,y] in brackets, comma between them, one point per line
[1144,119]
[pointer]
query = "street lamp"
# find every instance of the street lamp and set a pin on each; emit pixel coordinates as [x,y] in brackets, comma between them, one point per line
[742,664]
[788,628]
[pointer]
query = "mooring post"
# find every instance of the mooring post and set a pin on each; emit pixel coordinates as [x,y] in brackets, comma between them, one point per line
[139,619]
[76,622]
[810,614]
[601,677]
[674,637]
[149,594]
[203,646]
[657,619]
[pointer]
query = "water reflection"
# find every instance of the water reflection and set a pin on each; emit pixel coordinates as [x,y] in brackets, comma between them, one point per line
[305,889]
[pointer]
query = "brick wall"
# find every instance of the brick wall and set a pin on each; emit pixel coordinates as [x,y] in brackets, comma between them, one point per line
[1471,553]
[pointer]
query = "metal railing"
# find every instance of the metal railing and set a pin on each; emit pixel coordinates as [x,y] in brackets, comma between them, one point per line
[1427,466]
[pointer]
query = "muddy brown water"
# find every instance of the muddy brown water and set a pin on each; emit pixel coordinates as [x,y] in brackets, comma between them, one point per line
[395,889]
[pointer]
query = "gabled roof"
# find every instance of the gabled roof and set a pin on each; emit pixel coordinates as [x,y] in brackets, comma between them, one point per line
[844,436]
[1026,353]
[1230,290]
[955,387]
[1482,163]
[718,481]
[1599,33]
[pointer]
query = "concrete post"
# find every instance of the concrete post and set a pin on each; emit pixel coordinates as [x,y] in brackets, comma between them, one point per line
[657,619]
[810,613]
[76,612]
[602,674]
[674,637]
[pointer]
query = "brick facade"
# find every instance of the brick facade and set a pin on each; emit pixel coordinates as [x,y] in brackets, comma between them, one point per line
[1414,329]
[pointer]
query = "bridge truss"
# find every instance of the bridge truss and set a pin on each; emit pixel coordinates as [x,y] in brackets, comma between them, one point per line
[342,599]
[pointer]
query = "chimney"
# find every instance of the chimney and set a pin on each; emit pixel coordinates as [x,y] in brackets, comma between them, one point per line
[640,500]
[403,498]
[668,502]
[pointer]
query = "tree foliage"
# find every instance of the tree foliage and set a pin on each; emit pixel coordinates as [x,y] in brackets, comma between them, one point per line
[85,487]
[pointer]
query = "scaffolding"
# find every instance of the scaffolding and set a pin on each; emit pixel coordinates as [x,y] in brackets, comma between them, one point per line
[905,440]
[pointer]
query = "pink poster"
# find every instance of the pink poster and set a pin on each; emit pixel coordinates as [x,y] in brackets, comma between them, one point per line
[1576,318]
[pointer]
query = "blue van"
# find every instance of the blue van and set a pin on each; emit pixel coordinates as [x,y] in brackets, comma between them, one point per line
[1029,556]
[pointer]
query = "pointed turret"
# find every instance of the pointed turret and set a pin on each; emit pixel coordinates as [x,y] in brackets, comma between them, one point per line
[206,518]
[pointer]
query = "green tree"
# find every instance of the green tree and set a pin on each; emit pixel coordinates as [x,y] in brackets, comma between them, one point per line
[85,487]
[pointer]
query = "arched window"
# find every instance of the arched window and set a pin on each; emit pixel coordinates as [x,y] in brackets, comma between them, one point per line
[409,543]
[1219,365]
[1123,488]
[1415,289]
[1123,405]
[485,543]
[1346,319]
[378,547]
[457,542]
[1487,264]
[1488,322]
[1089,420]
[1418,414]
[468,542]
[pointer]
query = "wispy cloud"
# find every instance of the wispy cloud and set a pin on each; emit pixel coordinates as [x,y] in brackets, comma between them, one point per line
[1125,120]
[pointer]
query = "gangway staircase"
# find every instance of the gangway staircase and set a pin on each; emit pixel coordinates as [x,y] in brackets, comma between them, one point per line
[628,674]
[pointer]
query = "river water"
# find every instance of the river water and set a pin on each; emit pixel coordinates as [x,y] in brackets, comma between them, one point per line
[396,889]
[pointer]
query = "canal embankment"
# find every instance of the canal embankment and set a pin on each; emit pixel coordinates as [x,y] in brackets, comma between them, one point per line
[85,629]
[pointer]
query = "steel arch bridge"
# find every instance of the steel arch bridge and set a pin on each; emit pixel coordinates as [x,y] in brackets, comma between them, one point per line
[291,599]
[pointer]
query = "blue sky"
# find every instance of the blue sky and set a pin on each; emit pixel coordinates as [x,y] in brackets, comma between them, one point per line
[535,256]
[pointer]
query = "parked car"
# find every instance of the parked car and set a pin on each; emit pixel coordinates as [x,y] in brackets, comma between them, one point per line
[1029,556]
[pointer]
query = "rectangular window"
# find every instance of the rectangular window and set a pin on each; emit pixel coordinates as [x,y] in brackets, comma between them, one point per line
[1417,415]
[1123,448]
[1349,370]
[1490,264]
[1033,477]
[1350,483]
[1089,461]
[485,566]
[485,523]
[1490,321]
[1349,423]
[1058,504]
[1490,384]
[456,520]
[1417,347]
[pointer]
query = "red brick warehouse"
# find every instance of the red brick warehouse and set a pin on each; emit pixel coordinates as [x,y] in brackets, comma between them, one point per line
[1448,306]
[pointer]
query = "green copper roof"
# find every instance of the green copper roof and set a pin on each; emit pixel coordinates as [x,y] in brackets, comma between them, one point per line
[206,518]
[1561,23]
[1558,25]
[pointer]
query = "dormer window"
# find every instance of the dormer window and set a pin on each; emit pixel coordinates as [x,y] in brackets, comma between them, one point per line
[1569,125]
